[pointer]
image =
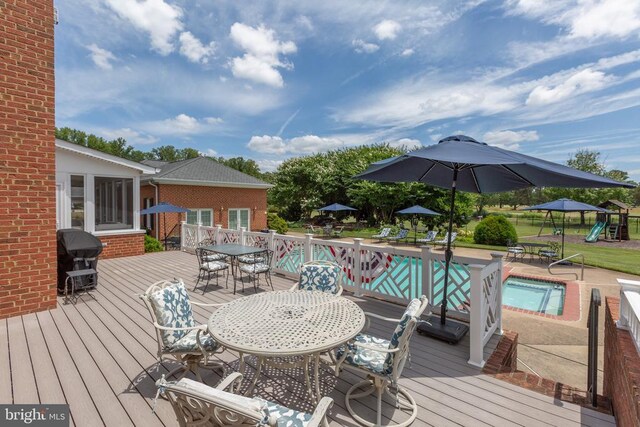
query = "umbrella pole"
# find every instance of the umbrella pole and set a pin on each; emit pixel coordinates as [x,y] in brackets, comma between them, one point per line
[562,257]
[164,220]
[448,253]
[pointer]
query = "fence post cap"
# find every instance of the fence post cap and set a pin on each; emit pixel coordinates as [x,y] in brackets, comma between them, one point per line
[478,267]
[495,255]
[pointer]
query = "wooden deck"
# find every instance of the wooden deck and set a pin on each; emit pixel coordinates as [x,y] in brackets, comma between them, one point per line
[99,356]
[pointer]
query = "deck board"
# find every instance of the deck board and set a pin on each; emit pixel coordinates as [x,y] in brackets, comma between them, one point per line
[100,356]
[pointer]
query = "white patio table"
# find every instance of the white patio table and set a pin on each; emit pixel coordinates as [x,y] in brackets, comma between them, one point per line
[282,324]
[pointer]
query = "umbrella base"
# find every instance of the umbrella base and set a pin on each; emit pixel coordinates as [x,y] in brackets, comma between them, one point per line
[451,332]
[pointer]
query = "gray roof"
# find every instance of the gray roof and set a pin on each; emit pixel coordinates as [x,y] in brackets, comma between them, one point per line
[205,171]
[154,163]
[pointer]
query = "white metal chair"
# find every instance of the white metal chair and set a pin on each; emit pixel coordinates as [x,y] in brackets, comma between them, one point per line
[179,337]
[197,404]
[208,265]
[382,361]
[324,276]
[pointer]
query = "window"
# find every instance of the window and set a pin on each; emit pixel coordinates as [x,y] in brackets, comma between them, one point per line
[77,201]
[114,203]
[239,218]
[202,216]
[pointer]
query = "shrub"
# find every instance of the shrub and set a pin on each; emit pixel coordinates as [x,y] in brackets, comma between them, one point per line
[495,230]
[274,222]
[151,244]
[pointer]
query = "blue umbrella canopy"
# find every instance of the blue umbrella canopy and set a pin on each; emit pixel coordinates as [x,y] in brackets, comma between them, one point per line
[163,207]
[337,207]
[418,210]
[565,205]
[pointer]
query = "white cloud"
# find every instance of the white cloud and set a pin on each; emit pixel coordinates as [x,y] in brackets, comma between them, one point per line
[510,139]
[194,50]
[213,120]
[387,29]
[159,19]
[261,60]
[299,145]
[181,125]
[101,57]
[132,136]
[583,81]
[209,152]
[406,143]
[361,46]
[407,52]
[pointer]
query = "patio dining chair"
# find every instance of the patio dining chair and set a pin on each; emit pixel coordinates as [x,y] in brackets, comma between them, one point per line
[179,337]
[323,276]
[257,257]
[256,269]
[429,238]
[209,266]
[550,253]
[211,256]
[402,235]
[382,361]
[197,404]
[515,250]
[383,234]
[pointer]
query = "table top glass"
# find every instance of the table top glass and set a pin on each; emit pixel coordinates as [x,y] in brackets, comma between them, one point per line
[233,249]
[286,323]
[533,244]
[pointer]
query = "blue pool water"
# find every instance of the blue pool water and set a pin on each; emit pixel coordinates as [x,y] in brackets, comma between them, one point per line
[534,295]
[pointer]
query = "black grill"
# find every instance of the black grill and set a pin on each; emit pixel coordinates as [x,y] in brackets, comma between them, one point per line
[78,250]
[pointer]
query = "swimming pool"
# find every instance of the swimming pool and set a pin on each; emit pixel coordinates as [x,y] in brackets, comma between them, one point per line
[534,295]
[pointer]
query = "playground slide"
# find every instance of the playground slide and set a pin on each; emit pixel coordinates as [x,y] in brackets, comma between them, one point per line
[595,232]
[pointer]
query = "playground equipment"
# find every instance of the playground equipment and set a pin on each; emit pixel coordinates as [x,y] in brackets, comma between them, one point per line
[617,230]
[595,232]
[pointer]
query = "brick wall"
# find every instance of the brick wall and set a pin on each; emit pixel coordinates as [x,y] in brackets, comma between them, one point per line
[122,245]
[621,368]
[27,162]
[191,196]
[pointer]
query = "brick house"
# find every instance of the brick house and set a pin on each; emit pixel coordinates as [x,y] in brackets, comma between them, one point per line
[215,194]
[100,193]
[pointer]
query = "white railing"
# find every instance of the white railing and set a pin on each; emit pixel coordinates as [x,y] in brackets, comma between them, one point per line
[385,272]
[630,309]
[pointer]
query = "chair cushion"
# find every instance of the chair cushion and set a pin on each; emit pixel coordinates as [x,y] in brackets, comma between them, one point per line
[549,253]
[188,343]
[250,259]
[320,277]
[214,257]
[370,360]
[258,267]
[287,417]
[214,266]
[410,312]
[172,308]
[515,250]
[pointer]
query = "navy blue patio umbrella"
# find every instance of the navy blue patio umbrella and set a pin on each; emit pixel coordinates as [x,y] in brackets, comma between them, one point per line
[416,210]
[336,207]
[565,205]
[164,208]
[461,163]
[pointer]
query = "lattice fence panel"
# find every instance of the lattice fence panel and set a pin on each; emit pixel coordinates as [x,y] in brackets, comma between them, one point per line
[490,289]
[341,255]
[259,240]
[393,276]
[288,255]
[229,236]
[190,237]
[458,288]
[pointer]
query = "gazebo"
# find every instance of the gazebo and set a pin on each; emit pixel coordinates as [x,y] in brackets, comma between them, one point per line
[620,230]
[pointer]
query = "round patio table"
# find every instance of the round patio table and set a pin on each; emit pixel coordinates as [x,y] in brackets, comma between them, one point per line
[282,324]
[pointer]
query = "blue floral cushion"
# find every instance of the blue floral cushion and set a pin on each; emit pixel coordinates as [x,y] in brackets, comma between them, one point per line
[410,312]
[370,360]
[258,267]
[188,343]
[319,278]
[284,416]
[172,308]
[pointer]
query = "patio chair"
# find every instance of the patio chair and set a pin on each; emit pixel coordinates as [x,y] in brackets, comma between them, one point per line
[256,269]
[551,253]
[337,232]
[254,258]
[383,233]
[515,250]
[323,276]
[443,242]
[207,267]
[313,229]
[211,256]
[429,238]
[197,404]
[402,235]
[179,337]
[382,361]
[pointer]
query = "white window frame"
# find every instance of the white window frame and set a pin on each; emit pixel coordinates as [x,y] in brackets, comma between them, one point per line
[238,217]
[199,218]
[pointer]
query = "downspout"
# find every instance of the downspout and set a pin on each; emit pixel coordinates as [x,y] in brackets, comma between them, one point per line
[157,191]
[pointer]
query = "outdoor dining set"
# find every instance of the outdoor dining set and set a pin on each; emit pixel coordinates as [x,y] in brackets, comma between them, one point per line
[304,327]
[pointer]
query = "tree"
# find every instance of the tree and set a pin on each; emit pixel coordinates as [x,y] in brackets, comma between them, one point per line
[248,166]
[169,153]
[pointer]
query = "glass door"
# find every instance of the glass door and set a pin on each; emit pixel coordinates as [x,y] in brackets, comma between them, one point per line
[239,218]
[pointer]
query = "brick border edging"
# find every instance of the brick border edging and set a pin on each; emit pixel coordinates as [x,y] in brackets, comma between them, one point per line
[502,364]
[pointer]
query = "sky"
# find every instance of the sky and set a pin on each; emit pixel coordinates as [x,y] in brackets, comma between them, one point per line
[273,80]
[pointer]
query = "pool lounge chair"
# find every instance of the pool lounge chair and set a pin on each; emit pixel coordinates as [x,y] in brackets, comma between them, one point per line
[383,233]
[337,232]
[402,235]
[443,242]
[429,238]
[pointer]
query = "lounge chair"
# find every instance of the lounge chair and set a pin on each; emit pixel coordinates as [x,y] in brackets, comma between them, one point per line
[323,276]
[383,233]
[313,229]
[382,361]
[402,235]
[443,242]
[337,232]
[198,404]
[429,238]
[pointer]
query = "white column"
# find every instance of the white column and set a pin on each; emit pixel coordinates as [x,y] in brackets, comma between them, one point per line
[625,307]
[183,231]
[476,325]
[426,256]
[217,235]
[90,204]
[241,240]
[272,241]
[497,257]
[308,248]
[357,266]
[136,203]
